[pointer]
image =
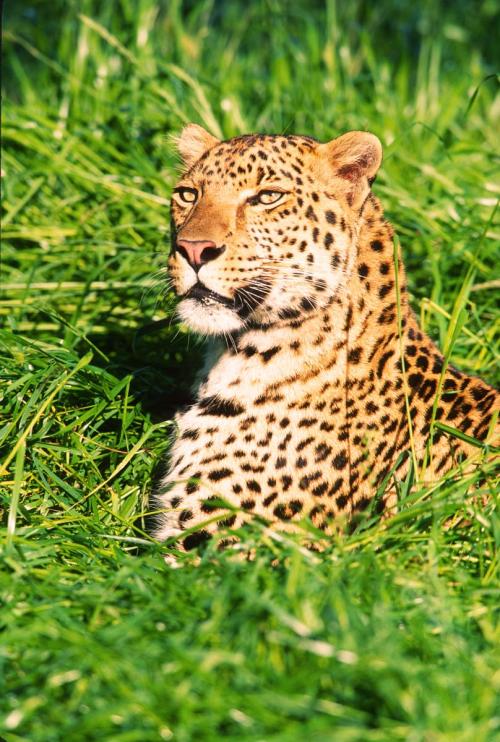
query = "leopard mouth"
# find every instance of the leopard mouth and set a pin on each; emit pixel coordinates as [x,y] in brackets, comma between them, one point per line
[245,300]
[207,312]
[207,297]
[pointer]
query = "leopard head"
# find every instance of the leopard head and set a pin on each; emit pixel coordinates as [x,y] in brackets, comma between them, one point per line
[264,228]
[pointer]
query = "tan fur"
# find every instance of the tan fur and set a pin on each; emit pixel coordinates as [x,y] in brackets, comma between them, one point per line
[305,410]
[193,142]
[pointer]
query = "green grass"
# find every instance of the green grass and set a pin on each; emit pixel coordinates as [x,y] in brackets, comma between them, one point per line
[390,633]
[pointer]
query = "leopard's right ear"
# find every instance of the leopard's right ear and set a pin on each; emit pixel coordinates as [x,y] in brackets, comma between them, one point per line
[193,142]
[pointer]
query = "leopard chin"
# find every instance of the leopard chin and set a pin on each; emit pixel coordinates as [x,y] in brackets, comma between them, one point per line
[209,317]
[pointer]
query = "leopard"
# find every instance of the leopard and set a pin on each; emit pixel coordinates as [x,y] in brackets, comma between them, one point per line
[319,391]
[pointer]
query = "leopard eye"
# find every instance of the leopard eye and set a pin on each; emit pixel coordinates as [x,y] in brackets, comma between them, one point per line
[268,197]
[185,195]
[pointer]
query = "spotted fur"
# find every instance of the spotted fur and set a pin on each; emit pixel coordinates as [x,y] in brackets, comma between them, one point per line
[280,245]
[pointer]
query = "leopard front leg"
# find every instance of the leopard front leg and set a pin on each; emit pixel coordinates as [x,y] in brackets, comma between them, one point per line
[195,507]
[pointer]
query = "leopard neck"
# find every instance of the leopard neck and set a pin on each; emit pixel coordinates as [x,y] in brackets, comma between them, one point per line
[376,292]
[373,297]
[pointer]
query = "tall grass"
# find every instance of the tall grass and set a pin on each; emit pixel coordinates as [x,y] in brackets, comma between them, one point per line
[390,633]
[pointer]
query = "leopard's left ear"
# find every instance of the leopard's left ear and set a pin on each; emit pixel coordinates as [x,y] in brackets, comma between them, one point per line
[193,142]
[355,158]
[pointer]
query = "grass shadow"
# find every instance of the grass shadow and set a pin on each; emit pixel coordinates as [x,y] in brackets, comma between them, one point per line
[162,363]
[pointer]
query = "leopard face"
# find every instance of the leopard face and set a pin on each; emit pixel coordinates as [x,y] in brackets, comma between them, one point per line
[264,227]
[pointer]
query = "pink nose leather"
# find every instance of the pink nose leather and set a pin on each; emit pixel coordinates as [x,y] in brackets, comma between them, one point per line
[194,250]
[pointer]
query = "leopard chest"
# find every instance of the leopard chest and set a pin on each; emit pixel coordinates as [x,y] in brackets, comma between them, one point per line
[261,437]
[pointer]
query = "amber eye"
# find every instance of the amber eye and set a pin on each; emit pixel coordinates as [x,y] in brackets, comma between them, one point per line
[267,197]
[185,195]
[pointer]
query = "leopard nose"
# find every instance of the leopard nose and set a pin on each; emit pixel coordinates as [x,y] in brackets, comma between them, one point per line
[199,252]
